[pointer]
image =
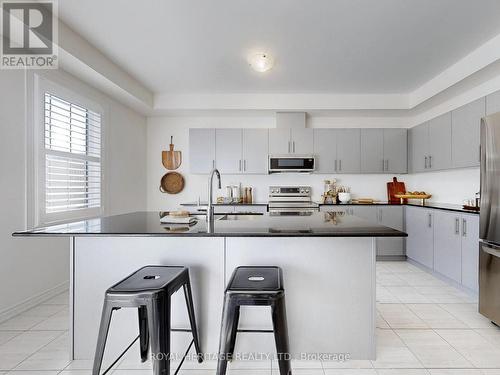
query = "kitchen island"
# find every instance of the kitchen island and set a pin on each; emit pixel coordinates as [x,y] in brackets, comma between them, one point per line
[328,261]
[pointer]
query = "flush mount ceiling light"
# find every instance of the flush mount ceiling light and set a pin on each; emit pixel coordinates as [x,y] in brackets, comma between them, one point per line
[261,62]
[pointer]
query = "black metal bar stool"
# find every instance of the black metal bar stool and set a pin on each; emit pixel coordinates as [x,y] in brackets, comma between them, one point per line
[254,286]
[149,289]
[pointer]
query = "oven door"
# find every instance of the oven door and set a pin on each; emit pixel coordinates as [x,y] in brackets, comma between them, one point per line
[291,164]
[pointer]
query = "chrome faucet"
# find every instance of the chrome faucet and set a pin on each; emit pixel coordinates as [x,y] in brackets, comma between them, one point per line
[210,207]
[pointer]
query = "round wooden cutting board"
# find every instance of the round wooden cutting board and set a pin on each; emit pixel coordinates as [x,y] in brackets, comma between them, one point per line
[172,183]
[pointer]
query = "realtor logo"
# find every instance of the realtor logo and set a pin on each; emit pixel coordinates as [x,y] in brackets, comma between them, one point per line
[29,30]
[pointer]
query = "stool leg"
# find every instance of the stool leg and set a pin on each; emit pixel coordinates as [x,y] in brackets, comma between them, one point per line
[143,333]
[192,319]
[234,333]
[281,335]
[226,333]
[159,333]
[107,311]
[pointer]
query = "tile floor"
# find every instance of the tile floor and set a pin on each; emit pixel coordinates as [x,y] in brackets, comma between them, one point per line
[424,326]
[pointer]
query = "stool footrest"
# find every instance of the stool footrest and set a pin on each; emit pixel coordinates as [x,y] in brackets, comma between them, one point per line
[256,330]
[120,356]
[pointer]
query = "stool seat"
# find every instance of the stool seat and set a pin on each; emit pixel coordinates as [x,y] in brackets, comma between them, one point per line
[256,278]
[149,278]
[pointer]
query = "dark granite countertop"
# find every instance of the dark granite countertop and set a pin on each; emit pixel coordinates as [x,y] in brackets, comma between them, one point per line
[318,224]
[433,205]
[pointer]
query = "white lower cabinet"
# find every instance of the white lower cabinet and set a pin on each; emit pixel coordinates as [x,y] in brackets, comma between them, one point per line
[420,240]
[445,241]
[386,215]
[448,245]
[392,217]
[470,251]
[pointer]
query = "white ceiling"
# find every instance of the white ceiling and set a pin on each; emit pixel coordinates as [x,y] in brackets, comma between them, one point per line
[320,46]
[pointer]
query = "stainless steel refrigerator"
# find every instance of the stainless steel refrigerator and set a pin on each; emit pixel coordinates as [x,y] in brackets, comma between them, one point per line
[489,229]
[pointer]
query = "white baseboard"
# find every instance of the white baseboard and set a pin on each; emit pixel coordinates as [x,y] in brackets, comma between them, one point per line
[33,301]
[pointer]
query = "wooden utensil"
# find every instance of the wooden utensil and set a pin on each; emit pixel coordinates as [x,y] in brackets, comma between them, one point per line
[421,197]
[364,200]
[172,183]
[393,188]
[171,159]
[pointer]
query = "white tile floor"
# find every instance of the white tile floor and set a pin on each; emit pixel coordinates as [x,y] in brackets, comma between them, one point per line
[424,326]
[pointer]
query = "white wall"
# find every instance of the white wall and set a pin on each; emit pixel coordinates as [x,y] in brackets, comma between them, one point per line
[28,267]
[32,269]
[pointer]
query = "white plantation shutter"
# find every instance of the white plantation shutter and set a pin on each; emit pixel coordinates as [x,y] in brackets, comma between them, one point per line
[72,155]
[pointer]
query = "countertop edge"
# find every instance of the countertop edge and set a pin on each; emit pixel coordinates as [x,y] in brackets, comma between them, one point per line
[214,235]
[428,206]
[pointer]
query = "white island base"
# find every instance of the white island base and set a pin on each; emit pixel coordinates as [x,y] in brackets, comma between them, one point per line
[329,286]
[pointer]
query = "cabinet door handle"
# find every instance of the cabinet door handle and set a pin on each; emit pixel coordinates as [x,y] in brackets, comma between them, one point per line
[464,227]
[430,220]
[293,143]
[430,162]
[387,164]
[340,164]
[239,166]
[245,165]
[425,163]
[457,225]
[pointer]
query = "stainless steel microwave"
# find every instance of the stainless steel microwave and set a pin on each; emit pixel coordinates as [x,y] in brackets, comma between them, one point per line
[291,164]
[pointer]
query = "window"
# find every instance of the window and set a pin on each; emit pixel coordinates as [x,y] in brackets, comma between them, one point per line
[70,179]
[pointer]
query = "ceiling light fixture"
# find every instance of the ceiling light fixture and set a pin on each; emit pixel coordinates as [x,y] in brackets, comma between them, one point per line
[261,62]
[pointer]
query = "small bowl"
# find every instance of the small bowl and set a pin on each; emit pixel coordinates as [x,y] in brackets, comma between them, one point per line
[344,197]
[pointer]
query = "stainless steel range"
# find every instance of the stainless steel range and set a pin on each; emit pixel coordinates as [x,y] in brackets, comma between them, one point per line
[291,200]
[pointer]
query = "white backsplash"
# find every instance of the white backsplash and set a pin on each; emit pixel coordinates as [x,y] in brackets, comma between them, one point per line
[452,186]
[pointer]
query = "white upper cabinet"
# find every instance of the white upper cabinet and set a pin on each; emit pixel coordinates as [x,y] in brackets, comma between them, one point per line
[325,150]
[255,151]
[297,141]
[279,141]
[348,150]
[228,150]
[419,150]
[241,151]
[302,141]
[372,151]
[493,103]
[396,150]
[384,150]
[201,150]
[465,144]
[440,142]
